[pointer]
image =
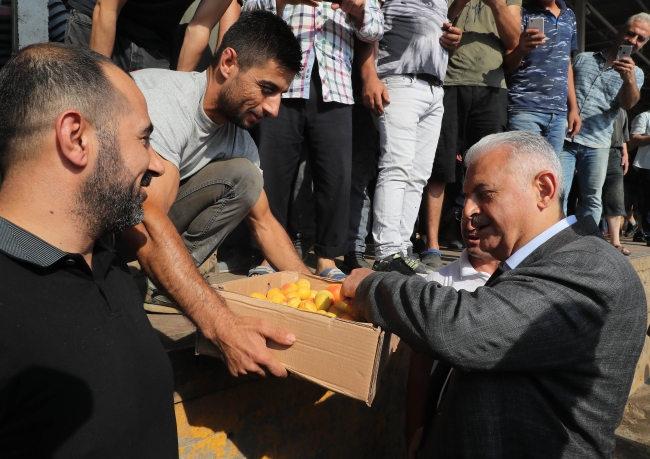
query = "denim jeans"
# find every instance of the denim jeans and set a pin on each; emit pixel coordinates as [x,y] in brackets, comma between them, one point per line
[549,125]
[212,202]
[591,164]
[365,149]
[408,135]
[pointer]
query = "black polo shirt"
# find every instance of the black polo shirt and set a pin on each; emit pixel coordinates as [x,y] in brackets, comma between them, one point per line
[82,373]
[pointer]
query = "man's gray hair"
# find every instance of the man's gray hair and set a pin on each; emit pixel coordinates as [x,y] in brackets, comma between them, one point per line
[641,17]
[530,154]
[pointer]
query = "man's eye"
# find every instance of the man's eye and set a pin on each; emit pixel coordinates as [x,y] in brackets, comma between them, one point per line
[267,91]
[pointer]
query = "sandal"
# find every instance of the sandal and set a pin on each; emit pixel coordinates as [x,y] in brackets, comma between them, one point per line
[333,273]
[260,271]
[623,250]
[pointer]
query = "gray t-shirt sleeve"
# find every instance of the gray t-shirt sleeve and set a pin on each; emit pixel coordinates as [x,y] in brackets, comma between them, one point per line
[172,120]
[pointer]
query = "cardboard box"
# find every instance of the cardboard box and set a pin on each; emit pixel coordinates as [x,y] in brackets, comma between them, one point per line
[343,356]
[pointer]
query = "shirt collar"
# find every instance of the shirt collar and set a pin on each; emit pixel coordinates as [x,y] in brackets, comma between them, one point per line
[23,245]
[541,9]
[521,254]
[466,268]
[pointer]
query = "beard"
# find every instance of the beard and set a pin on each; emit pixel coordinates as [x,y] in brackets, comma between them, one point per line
[110,198]
[230,107]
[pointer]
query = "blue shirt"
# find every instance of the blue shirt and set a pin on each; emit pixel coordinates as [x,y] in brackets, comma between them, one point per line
[597,91]
[541,82]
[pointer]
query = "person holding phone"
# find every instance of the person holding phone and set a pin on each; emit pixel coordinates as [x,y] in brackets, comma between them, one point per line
[604,82]
[539,74]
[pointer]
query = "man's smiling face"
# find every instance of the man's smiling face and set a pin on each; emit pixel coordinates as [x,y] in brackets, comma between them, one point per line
[497,203]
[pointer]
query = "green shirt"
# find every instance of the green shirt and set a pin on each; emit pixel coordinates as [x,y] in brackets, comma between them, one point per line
[478,61]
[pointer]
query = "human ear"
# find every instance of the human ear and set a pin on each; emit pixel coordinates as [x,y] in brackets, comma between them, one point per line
[228,62]
[72,137]
[547,188]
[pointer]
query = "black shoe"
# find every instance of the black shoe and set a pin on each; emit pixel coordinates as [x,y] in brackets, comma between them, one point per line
[355,260]
[303,247]
[631,229]
[393,263]
[413,261]
[431,258]
[639,237]
[456,245]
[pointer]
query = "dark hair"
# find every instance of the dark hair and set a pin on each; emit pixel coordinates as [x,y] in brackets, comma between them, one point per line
[39,83]
[259,36]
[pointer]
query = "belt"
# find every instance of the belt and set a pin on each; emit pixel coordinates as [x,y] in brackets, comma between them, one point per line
[432,80]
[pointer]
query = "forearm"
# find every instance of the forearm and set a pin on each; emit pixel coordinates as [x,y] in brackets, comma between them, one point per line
[194,43]
[508,26]
[416,392]
[168,264]
[629,95]
[455,8]
[512,60]
[364,57]
[102,35]
[276,245]
[228,19]
[639,140]
[572,101]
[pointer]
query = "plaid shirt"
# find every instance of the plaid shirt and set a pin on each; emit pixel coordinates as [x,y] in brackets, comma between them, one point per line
[326,35]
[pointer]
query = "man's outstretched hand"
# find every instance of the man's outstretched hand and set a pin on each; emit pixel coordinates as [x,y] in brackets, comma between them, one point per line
[350,284]
[242,341]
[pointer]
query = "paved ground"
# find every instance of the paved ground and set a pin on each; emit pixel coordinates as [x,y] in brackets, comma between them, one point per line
[632,437]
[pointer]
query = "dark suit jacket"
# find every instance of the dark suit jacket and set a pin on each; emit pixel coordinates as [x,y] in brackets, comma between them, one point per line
[546,352]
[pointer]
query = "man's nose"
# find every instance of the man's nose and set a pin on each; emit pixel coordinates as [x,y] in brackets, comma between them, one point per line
[271,106]
[470,208]
[156,166]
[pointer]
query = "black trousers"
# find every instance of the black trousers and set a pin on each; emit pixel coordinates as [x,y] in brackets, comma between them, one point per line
[327,129]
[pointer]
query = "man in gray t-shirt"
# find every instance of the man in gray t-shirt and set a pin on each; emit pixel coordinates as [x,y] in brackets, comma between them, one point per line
[212,181]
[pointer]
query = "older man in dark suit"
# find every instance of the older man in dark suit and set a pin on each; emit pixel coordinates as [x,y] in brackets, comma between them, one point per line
[544,354]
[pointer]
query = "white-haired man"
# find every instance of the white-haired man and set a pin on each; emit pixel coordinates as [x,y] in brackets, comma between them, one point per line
[548,348]
[603,85]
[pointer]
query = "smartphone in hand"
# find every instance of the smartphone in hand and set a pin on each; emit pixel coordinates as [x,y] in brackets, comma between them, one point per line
[624,51]
[536,23]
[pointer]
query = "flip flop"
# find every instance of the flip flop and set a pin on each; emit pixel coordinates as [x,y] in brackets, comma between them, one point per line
[623,250]
[260,271]
[333,273]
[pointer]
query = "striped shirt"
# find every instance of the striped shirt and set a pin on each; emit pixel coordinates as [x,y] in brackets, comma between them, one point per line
[326,36]
[597,91]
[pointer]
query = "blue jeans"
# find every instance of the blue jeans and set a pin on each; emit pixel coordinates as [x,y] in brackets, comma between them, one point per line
[549,125]
[591,164]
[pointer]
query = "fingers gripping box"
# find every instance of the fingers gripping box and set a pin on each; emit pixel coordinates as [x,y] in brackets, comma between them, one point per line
[341,355]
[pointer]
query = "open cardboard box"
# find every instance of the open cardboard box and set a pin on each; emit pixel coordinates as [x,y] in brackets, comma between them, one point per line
[343,356]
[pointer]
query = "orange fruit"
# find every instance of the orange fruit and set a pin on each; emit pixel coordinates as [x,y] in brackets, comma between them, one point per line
[323,300]
[336,291]
[303,283]
[292,294]
[279,298]
[293,302]
[308,306]
[289,287]
[303,292]
[258,295]
[271,293]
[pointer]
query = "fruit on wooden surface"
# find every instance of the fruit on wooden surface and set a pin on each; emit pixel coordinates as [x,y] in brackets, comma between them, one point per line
[261,296]
[271,293]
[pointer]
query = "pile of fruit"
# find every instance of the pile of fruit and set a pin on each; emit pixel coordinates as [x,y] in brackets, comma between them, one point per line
[299,295]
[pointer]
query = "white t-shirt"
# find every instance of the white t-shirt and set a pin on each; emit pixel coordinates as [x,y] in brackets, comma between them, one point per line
[641,125]
[459,274]
[183,134]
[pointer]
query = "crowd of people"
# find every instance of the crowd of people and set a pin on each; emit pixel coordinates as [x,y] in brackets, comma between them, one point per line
[388,117]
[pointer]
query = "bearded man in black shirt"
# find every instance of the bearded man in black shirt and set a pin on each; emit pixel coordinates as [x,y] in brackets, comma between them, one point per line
[82,373]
